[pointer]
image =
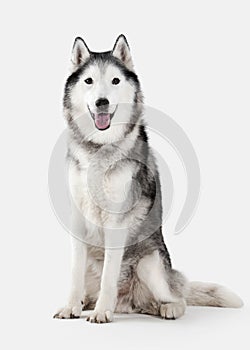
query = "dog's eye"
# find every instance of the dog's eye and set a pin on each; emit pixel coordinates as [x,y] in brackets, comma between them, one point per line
[115,81]
[89,81]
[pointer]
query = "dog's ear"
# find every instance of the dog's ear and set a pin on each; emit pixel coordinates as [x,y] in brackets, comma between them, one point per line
[122,52]
[80,53]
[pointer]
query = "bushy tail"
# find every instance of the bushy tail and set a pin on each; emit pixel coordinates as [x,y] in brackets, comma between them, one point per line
[211,294]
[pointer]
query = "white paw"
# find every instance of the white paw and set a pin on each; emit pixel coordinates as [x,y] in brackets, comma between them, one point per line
[171,311]
[70,311]
[100,316]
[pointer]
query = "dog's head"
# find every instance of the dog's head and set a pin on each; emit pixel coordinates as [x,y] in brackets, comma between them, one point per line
[101,93]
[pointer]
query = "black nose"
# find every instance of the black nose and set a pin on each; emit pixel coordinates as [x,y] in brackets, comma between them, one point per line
[101,102]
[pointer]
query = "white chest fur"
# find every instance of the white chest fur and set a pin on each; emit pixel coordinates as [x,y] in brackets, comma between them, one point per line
[100,186]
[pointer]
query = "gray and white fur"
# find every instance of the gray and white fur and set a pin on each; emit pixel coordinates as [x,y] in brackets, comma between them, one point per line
[120,262]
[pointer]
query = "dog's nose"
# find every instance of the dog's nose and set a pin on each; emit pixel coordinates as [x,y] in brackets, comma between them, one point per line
[101,102]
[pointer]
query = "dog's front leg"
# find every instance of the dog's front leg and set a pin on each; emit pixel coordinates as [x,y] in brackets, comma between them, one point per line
[74,306]
[106,302]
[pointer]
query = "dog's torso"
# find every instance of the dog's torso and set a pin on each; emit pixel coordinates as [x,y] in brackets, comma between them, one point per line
[110,181]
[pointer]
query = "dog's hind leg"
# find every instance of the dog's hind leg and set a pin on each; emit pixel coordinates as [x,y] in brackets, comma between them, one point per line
[167,286]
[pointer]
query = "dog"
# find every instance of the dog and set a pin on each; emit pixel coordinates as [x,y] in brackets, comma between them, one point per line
[120,262]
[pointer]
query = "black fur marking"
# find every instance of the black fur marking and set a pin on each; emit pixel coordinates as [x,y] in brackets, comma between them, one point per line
[143,134]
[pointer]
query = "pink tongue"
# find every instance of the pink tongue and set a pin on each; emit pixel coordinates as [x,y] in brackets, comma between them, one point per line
[102,120]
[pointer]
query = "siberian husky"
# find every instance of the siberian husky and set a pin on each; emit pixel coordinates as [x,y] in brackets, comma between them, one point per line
[120,262]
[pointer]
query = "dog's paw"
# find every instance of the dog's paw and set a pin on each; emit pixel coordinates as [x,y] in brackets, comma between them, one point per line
[171,311]
[70,311]
[100,316]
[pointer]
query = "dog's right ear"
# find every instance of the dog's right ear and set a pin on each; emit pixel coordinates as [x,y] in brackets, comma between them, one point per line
[80,53]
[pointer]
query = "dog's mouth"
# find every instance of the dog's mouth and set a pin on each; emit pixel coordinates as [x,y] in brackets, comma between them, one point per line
[102,120]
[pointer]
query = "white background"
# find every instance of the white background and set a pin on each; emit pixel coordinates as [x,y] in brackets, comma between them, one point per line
[193,61]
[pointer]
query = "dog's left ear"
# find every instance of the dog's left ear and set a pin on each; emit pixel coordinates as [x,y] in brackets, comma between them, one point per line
[122,52]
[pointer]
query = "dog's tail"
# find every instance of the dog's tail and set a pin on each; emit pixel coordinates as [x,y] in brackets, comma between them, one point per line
[211,294]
